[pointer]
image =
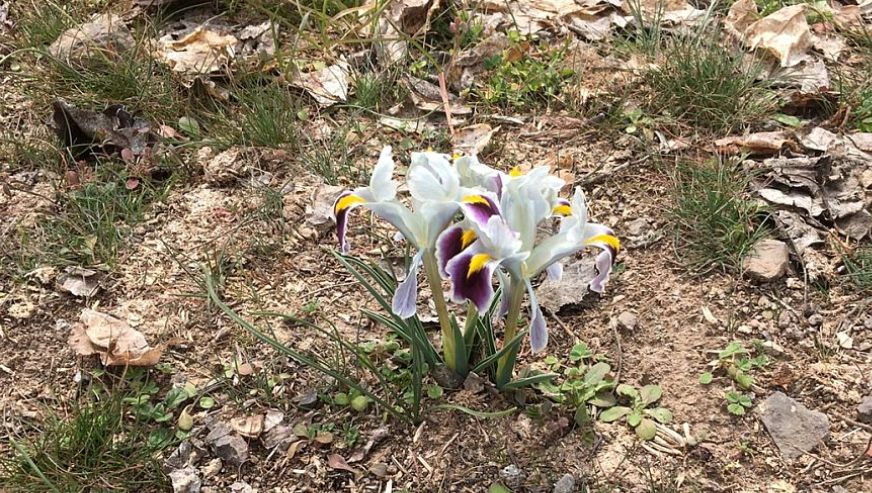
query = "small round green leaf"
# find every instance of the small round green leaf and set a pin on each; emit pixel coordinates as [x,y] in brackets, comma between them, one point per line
[189,126]
[646,430]
[706,378]
[434,391]
[614,414]
[360,403]
[341,399]
[650,394]
[627,391]
[634,418]
[206,402]
[661,414]
[736,409]
[596,373]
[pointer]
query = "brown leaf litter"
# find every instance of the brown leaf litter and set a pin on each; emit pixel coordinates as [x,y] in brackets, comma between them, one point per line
[113,340]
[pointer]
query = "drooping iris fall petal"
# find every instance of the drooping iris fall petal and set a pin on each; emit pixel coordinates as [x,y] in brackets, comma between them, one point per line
[404,303]
[471,273]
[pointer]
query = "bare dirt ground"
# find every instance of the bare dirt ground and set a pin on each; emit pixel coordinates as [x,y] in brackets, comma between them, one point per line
[272,250]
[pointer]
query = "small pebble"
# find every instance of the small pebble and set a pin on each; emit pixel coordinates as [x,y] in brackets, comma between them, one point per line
[816,320]
[566,484]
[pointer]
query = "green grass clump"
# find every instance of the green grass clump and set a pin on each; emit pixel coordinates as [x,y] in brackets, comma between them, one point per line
[97,448]
[859,268]
[532,81]
[700,83]
[262,116]
[716,224]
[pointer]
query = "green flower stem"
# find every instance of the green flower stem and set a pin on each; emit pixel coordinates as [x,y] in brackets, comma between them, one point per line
[449,345]
[516,297]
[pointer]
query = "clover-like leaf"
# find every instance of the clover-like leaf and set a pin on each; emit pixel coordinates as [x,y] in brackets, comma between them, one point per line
[650,394]
[744,380]
[646,430]
[614,413]
[579,352]
[596,373]
[661,414]
[736,409]
[634,418]
[706,378]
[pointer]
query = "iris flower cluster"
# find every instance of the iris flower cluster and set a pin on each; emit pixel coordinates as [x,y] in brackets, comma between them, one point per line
[471,224]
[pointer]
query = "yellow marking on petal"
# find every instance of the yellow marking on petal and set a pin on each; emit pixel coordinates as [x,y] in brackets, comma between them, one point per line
[610,240]
[467,238]
[475,199]
[348,201]
[563,210]
[429,149]
[477,263]
[456,156]
[515,172]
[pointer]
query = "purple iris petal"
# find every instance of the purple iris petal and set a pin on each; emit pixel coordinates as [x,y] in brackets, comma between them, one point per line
[480,211]
[475,287]
[342,222]
[603,266]
[554,271]
[448,245]
[404,304]
[538,328]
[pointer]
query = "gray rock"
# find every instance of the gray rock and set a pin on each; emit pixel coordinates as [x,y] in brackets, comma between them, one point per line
[278,436]
[628,321]
[566,484]
[232,449]
[217,430]
[180,457]
[307,400]
[185,480]
[793,427]
[816,320]
[242,487]
[212,468]
[784,319]
[767,261]
[512,475]
[864,410]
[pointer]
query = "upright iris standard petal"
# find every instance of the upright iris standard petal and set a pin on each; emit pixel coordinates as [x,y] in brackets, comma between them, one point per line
[538,328]
[404,304]
[432,178]
[470,274]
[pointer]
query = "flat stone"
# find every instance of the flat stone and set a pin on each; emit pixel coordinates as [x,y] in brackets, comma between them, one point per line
[864,410]
[185,480]
[628,321]
[512,475]
[232,449]
[793,427]
[566,484]
[767,261]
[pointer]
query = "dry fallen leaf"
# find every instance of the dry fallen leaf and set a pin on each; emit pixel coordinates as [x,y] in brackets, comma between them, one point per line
[202,51]
[248,426]
[336,461]
[327,86]
[113,340]
[784,34]
[472,139]
[756,143]
[742,14]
